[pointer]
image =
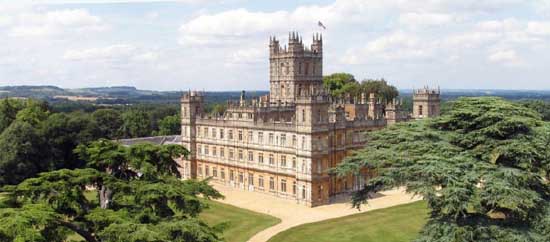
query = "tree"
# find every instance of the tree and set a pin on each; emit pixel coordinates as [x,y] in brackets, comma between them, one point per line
[540,106]
[135,123]
[339,83]
[8,112]
[33,113]
[480,167]
[109,122]
[22,153]
[170,125]
[145,201]
[63,133]
[380,88]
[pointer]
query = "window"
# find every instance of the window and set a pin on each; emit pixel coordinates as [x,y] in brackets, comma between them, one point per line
[251,179]
[271,183]
[231,175]
[294,162]
[293,140]
[261,182]
[319,116]
[261,158]
[270,138]
[249,138]
[222,152]
[206,150]
[241,177]
[240,135]
[222,173]
[283,161]
[283,185]
[271,160]
[221,133]
[241,157]
[304,192]
[250,116]
[200,170]
[200,149]
[306,68]
[214,151]
[250,156]
[214,171]
[206,171]
[230,134]
[213,132]
[303,115]
[294,188]
[240,115]
[419,109]
[283,140]
[231,154]
[206,132]
[260,137]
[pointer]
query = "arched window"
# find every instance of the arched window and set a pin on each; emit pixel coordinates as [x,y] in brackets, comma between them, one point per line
[303,115]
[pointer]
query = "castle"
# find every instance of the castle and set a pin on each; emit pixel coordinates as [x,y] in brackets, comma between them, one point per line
[284,143]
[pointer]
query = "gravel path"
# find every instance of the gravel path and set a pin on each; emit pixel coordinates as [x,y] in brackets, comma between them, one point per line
[292,214]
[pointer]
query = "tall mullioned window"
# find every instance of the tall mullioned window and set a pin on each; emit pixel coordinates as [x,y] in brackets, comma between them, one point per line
[261,158]
[240,135]
[260,137]
[283,161]
[283,185]
[222,152]
[221,134]
[250,156]
[250,179]
[271,183]
[230,134]
[271,159]
[261,182]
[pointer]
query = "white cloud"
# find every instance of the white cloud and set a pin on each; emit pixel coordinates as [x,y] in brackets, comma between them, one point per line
[425,19]
[509,57]
[33,24]
[510,24]
[103,53]
[538,28]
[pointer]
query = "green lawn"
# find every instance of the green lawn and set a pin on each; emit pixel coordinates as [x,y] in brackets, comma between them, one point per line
[242,223]
[396,224]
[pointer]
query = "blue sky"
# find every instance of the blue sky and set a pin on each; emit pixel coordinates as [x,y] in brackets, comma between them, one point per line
[222,44]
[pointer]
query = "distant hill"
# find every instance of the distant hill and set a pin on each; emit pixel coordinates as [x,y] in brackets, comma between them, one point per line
[111,95]
[129,94]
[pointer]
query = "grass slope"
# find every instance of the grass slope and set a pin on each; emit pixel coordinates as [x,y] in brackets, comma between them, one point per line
[241,223]
[395,224]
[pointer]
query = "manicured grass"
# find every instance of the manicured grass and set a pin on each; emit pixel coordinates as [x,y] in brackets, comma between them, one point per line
[241,223]
[396,224]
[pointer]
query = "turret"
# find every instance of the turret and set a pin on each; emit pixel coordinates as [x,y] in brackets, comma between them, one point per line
[426,103]
[317,45]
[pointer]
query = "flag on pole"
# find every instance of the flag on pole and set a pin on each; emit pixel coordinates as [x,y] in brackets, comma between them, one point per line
[321,25]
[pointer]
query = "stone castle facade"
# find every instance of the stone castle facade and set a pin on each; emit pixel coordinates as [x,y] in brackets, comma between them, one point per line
[284,143]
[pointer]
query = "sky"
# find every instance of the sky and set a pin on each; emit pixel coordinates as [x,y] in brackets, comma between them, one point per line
[223,44]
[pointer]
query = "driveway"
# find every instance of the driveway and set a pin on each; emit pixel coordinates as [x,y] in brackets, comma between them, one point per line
[292,214]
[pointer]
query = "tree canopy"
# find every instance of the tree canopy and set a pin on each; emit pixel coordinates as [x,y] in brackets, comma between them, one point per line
[140,199]
[344,84]
[483,167]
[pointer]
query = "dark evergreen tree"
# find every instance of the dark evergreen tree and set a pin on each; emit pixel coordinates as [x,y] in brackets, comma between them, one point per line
[483,168]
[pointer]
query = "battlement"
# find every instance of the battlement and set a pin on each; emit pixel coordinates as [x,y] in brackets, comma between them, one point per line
[426,91]
[295,46]
[192,96]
